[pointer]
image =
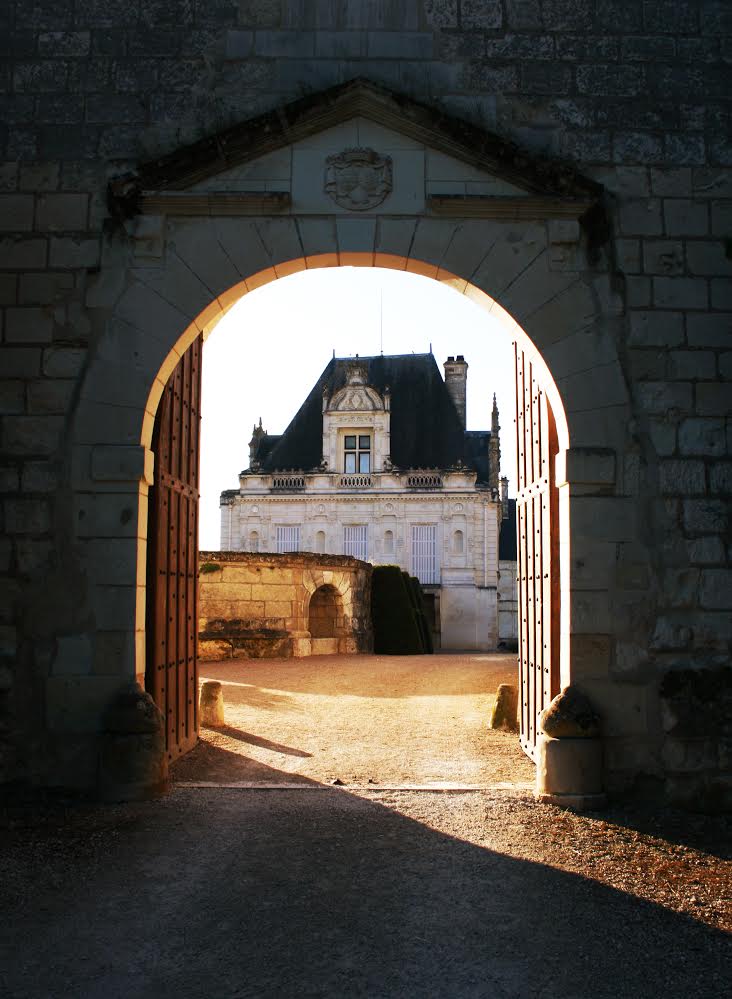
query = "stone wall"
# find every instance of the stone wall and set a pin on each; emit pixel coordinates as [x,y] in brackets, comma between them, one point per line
[636,95]
[265,606]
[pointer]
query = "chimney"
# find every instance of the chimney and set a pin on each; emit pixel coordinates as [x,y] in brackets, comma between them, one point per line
[456,379]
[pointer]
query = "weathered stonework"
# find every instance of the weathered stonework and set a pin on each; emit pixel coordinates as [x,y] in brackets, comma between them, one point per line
[277,605]
[632,322]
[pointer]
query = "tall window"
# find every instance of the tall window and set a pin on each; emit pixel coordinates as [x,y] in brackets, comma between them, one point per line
[288,539]
[424,553]
[355,541]
[357,453]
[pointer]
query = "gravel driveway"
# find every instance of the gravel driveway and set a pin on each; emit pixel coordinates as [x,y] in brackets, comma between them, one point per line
[359,720]
[225,894]
[340,891]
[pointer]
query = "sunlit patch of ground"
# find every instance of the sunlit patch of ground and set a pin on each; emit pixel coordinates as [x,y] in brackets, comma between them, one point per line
[359,720]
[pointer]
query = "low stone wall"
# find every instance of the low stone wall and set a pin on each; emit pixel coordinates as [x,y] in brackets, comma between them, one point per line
[267,605]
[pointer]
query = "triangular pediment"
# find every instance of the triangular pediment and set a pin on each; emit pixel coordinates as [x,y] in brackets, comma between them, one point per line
[304,155]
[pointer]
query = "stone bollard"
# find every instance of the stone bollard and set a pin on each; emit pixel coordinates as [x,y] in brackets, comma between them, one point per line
[505,710]
[212,704]
[569,765]
[133,764]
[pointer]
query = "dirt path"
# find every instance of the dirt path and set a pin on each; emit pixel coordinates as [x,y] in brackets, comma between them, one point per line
[359,720]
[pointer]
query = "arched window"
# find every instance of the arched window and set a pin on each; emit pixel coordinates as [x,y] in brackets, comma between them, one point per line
[458,542]
[388,542]
[320,542]
[253,541]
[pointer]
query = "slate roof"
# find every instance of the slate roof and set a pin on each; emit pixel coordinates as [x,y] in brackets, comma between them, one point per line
[426,431]
[507,535]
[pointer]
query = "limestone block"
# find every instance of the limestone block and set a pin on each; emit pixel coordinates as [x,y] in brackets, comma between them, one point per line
[393,238]
[212,704]
[656,328]
[641,217]
[660,397]
[705,516]
[176,283]
[716,589]
[61,212]
[355,236]
[27,516]
[278,608]
[713,398]
[689,755]
[505,709]
[680,292]
[63,362]
[590,656]
[122,464]
[273,591]
[702,436]
[71,252]
[77,704]
[22,253]
[709,330]
[16,212]
[33,435]
[50,396]
[116,606]
[73,656]
[706,550]
[28,325]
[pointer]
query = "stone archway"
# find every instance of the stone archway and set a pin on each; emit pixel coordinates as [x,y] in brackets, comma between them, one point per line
[528,264]
[325,619]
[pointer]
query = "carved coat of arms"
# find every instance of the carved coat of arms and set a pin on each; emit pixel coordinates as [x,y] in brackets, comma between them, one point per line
[358,179]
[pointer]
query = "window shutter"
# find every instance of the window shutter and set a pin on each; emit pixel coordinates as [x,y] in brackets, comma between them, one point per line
[355,541]
[424,553]
[288,539]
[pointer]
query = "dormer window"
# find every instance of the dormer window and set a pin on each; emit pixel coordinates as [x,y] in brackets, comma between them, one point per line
[357,454]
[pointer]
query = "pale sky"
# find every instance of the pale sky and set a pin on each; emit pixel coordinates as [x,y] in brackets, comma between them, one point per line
[266,354]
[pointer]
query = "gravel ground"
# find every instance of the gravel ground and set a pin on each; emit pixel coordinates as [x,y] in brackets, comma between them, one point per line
[337,892]
[359,720]
[323,892]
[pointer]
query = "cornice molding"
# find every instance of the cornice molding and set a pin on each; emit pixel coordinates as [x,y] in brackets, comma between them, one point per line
[510,209]
[237,203]
[315,113]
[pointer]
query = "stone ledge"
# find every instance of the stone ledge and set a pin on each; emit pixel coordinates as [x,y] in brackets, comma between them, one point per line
[284,559]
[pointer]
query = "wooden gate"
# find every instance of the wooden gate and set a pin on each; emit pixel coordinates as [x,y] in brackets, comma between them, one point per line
[537,525]
[172,562]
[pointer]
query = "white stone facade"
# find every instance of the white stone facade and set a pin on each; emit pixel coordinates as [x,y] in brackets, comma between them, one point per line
[441,525]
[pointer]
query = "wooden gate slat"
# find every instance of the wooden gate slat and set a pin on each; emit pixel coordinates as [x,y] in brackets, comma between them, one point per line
[172,669]
[538,549]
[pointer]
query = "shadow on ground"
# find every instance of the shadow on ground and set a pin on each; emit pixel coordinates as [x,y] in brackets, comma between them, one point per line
[257,740]
[320,893]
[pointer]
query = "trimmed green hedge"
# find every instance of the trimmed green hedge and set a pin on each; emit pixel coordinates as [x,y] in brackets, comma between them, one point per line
[396,629]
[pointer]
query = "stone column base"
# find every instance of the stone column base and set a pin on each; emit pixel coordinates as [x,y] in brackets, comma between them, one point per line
[577,802]
[569,772]
[133,764]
